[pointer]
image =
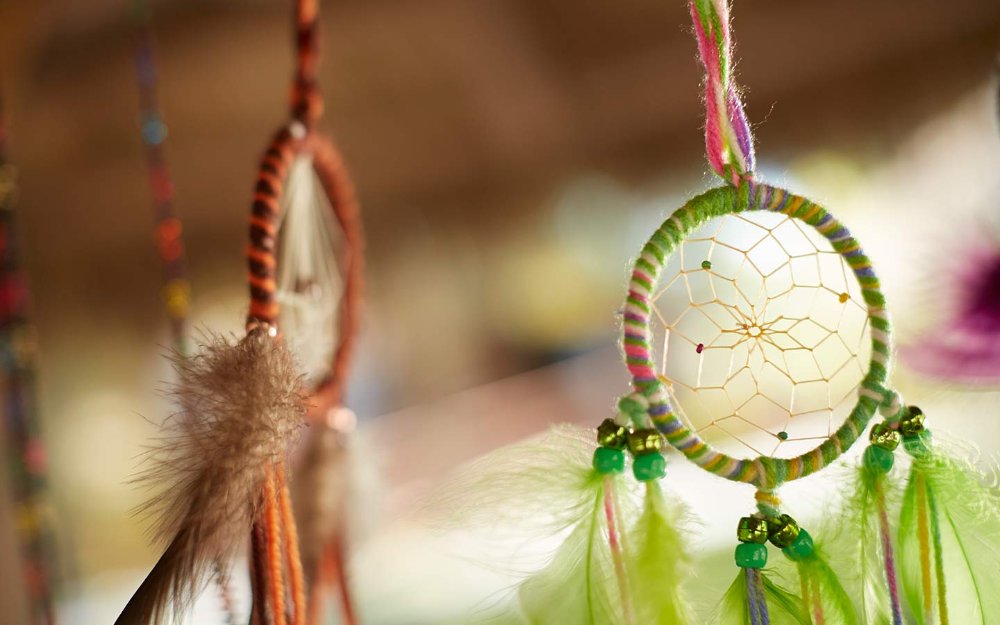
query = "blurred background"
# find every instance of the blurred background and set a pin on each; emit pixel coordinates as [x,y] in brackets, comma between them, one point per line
[510,157]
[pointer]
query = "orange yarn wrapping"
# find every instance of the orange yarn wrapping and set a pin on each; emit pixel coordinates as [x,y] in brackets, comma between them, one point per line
[296,578]
[275,557]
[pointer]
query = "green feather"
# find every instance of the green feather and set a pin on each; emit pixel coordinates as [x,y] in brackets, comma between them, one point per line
[784,608]
[819,580]
[862,516]
[657,564]
[578,585]
[964,507]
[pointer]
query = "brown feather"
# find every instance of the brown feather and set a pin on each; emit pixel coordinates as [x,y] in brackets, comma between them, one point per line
[241,404]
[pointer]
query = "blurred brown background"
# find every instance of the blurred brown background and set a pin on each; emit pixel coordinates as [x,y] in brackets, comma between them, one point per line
[509,155]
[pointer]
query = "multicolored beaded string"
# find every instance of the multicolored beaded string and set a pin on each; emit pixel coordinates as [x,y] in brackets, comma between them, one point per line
[176,289]
[25,454]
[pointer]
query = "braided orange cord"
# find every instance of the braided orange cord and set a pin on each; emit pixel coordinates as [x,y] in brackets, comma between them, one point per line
[275,557]
[296,578]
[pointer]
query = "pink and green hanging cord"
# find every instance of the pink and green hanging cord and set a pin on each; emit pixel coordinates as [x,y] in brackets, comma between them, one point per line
[728,142]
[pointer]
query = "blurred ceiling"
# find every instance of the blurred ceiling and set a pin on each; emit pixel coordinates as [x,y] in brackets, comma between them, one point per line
[442,106]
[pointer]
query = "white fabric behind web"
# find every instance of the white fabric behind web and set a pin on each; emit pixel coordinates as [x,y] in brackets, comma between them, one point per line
[309,279]
[782,329]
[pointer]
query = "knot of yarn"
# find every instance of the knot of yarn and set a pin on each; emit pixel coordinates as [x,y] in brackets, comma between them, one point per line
[768,503]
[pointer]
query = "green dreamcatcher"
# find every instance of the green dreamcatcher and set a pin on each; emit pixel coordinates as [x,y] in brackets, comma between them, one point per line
[758,343]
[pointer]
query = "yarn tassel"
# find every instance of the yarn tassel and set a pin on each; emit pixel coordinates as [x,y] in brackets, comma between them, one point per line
[657,563]
[753,599]
[949,530]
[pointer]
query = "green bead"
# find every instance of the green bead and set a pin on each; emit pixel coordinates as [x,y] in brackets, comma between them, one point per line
[752,530]
[649,467]
[783,435]
[878,459]
[644,441]
[913,423]
[706,264]
[751,555]
[801,548]
[611,434]
[631,406]
[607,460]
[782,531]
[918,446]
[884,436]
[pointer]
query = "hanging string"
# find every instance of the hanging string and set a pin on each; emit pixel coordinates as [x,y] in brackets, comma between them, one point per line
[306,103]
[25,451]
[728,142]
[176,290]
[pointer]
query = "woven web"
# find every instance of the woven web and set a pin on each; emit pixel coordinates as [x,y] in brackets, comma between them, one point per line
[762,335]
[309,279]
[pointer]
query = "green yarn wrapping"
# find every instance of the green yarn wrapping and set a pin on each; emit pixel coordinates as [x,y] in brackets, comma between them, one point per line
[949,540]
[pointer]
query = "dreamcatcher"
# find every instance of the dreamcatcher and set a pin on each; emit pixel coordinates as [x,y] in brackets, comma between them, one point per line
[242,402]
[758,343]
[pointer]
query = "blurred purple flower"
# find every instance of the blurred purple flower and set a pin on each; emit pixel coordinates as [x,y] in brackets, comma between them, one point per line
[965,346]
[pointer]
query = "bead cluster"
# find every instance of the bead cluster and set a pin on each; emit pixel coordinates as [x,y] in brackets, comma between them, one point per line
[782,531]
[884,440]
[645,444]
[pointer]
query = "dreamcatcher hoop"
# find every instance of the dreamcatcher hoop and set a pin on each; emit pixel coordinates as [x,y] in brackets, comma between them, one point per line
[763,471]
[288,144]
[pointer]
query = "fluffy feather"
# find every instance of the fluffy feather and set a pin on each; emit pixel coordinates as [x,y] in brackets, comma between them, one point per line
[964,504]
[870,494]
[823,593]
[240,405]
[319,492]
[578,585]
[537,487]
[784,608]
[657,563]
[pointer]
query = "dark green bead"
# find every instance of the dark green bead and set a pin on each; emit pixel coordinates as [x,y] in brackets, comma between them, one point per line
[645,441]
[913,423]
[607,460]
[611,434]
[782,531]
[783,435]
[751,555]
[801,548]
[706,264]
[918,446]
[878,459]
[752,530]
[884,436]
[649,467]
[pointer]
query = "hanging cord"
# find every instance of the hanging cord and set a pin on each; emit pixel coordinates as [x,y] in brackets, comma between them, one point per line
[176,290]
[728,142]
[306,102]
[25,451]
